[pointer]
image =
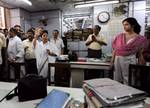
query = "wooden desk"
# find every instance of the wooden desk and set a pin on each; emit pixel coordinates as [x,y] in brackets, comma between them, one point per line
[75,93]
[77,70]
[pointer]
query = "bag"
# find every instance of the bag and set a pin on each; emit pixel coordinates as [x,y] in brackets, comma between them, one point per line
[32,87]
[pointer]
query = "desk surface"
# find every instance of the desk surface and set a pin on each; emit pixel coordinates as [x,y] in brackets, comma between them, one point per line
[5,89]
[91,63]
[75,93]
[86,65]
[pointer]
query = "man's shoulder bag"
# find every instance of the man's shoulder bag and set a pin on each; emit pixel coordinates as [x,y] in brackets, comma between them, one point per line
[30,87]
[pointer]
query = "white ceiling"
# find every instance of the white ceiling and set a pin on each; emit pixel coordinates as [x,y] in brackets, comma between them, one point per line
[41,5]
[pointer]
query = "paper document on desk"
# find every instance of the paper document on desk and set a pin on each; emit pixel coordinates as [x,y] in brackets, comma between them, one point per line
[96,60]
[55,99]
[113,93]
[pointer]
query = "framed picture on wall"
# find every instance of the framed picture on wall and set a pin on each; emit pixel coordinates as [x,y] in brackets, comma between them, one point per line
[121,10]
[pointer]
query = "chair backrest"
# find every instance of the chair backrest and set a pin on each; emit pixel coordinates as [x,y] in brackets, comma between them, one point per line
[139,77]
[18,65]
[62,74]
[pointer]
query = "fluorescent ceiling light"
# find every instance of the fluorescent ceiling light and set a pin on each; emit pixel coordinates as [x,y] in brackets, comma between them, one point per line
[90,4]
[27,1]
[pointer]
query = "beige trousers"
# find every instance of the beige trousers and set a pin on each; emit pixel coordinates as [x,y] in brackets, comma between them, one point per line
[121,64]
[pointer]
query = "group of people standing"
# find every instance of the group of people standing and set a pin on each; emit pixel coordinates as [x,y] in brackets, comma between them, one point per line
[35,51]
[38,49]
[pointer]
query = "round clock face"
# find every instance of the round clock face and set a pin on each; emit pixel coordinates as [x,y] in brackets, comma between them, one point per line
[103,17]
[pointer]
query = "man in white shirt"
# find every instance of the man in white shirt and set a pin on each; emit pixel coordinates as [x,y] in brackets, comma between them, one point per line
[30,60]
[58,42]
[15,51]
[94,43]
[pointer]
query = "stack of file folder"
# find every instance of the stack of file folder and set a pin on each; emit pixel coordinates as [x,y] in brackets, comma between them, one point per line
[105,93]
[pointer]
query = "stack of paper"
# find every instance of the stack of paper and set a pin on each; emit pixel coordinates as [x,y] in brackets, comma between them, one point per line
[107,93]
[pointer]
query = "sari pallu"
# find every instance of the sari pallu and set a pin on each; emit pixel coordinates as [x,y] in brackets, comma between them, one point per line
[125,49]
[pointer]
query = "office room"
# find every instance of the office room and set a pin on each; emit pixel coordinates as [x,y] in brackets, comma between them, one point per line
[74,53]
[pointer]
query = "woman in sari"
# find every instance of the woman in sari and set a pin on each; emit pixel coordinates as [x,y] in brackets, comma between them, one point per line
[44,51]
[125,48]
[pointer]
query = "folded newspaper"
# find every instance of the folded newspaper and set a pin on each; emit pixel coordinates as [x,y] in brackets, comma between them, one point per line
[113,93]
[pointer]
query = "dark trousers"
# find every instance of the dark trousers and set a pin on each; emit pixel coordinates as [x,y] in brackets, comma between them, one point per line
[93,73]
[16,67]
[1,69]
[2,72]
[94,53]
[30,66]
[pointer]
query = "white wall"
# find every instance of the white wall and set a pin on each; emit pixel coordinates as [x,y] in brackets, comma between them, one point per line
[28,20]
[52,23]
[139,14]
[14,17]
[25,20]
[20,17]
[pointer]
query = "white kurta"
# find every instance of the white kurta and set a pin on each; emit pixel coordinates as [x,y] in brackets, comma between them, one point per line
[15,49]
[59,43]
[43,57]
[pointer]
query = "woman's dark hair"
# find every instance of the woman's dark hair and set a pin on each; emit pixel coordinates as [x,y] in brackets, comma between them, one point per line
[44,31]
[133,22]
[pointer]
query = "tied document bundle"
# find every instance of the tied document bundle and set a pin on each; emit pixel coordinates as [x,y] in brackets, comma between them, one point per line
[105,93]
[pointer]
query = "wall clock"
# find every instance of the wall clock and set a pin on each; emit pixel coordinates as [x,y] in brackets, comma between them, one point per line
[103,17]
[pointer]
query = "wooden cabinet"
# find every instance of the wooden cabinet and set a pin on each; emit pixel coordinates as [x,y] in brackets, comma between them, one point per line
[62,74]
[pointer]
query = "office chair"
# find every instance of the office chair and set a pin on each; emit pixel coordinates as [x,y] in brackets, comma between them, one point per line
[139,77]
[62,74]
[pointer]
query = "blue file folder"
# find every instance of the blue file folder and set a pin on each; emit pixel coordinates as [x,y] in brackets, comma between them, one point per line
[55,99]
